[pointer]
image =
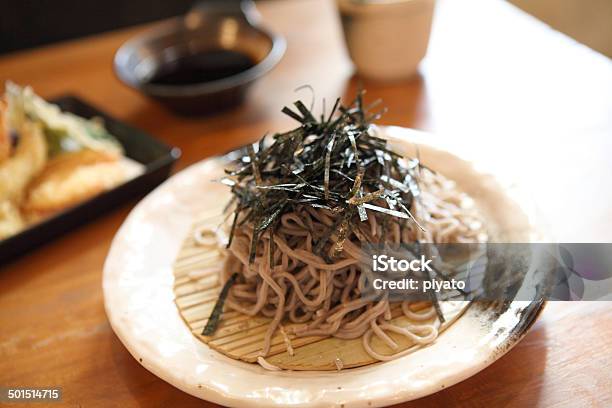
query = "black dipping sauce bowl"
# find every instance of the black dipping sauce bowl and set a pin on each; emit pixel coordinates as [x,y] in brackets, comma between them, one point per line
[202,62]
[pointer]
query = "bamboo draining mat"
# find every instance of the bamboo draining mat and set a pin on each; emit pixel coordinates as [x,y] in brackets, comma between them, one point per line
[196,287]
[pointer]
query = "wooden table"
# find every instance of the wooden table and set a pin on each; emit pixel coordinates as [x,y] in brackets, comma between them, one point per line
[532,100]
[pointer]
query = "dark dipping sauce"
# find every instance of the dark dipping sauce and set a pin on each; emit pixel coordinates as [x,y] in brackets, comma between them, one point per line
[203,67]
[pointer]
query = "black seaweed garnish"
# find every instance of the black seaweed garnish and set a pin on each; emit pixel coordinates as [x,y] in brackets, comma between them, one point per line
[335,163]
[215,316]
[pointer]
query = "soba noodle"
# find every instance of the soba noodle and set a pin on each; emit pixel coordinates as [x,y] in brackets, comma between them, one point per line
[289,283]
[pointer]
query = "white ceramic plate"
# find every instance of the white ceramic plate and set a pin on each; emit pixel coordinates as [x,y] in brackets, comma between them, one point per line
[139,303]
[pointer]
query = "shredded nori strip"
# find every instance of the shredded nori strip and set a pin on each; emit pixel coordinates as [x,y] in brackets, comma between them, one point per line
[335,163]
[215,316]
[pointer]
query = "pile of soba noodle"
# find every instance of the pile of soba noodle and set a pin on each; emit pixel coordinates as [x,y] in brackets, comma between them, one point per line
[298,286]
[319,291]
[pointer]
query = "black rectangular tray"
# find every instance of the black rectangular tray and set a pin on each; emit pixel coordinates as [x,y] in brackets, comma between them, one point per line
[157,158]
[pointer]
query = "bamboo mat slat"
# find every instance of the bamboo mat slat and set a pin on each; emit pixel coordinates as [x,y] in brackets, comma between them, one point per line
[239,336]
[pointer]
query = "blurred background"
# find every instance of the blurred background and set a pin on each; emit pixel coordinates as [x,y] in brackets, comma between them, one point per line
[23,25]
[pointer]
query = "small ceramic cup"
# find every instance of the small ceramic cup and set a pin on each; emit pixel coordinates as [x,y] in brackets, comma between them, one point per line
[386,39]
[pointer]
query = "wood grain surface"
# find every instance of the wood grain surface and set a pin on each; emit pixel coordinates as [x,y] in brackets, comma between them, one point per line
[529,99]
